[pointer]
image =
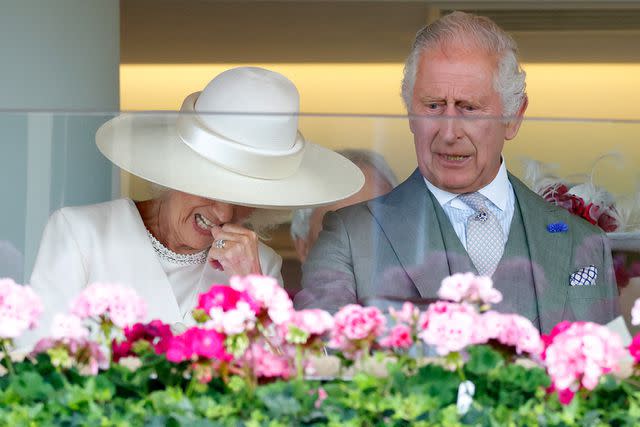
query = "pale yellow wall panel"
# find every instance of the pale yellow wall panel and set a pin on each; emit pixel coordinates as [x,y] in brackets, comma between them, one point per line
[600,91]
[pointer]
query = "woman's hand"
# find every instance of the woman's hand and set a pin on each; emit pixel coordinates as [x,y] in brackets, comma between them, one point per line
[234,250]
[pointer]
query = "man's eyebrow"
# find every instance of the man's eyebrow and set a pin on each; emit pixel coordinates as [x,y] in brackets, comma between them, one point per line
[431,98]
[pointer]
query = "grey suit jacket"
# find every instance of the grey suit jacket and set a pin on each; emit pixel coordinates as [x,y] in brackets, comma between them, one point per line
[393,246]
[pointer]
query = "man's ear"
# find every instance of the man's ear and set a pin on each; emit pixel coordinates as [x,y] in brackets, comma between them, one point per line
[302,249]
[514,123]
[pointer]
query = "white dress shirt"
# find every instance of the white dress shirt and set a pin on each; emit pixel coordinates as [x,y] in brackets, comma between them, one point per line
[501,203]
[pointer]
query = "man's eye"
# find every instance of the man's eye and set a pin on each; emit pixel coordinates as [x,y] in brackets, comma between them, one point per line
[468,108]
[432,105]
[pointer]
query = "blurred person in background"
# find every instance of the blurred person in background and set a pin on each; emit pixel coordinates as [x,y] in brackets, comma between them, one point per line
[306,223]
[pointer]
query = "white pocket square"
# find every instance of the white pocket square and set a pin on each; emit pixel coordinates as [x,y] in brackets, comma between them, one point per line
[586,276]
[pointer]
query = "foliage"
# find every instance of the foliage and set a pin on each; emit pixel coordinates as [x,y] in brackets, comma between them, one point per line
[249,362]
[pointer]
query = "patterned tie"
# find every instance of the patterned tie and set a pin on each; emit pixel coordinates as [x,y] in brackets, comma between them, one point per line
[485,239]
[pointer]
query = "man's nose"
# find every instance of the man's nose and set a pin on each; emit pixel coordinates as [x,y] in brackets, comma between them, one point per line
[451,126]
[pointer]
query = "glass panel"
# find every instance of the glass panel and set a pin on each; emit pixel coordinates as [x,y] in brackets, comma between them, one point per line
[50,161]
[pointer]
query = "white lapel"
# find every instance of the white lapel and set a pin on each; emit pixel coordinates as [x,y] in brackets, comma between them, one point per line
[141,265]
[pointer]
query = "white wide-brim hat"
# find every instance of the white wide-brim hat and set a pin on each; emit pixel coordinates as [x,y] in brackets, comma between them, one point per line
[237,141]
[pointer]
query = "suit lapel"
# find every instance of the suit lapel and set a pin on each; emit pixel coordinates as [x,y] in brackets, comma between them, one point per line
[407,218]
[550,254]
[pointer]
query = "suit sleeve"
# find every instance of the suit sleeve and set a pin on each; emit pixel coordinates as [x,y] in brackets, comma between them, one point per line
[612,307]
[58,275]
[328,280]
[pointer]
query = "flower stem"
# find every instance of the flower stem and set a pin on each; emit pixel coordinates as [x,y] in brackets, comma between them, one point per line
[190,386]
[7,357]
[299,367]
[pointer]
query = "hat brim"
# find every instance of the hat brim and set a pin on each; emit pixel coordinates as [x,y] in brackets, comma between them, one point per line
[149,146]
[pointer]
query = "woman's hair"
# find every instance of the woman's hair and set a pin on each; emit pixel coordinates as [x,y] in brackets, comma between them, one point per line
[475,32]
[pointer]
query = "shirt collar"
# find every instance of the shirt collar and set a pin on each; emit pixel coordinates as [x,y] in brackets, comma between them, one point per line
[496,191]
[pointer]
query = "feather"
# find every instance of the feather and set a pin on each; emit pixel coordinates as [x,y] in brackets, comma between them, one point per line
[625,211]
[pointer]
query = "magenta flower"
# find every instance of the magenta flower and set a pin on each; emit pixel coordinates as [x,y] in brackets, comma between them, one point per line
[196,343]
[224,298]
[209,344]
[20,308]
[634,348]
[156,333]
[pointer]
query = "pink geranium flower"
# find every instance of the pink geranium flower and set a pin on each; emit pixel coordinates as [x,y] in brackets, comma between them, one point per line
[310,323]
[511,330]
[20,308]
[120,304]
[449,326]
[68,327]
[407,314]
[356,327]
[579,353]
[267,292]
[469,288]
[84,354]
[399,337]
[266,364]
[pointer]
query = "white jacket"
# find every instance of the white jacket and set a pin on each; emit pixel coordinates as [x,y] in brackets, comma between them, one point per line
[108,242]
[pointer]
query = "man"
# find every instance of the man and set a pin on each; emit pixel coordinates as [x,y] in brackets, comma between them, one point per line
[379,179]
[460,210]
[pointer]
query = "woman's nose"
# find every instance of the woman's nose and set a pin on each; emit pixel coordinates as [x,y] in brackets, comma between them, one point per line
[223,211]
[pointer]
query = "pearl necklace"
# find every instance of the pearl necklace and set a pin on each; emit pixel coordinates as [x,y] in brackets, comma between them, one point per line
[167,254]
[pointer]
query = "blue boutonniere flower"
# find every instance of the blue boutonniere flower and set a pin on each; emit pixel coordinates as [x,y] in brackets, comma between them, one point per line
[557,227]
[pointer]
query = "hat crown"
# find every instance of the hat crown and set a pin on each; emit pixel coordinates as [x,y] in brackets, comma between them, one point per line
[251,91]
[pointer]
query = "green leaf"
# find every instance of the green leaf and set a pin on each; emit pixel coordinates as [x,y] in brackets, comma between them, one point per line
[483,359]
[279,399]
[30,387]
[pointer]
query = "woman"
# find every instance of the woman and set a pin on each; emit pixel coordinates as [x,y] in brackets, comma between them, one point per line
[221,171]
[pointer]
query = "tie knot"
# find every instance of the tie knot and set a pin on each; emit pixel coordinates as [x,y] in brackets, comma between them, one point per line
[474,200]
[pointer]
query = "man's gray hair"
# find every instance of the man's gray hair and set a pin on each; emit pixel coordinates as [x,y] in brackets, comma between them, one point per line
[300,220]
[481,32]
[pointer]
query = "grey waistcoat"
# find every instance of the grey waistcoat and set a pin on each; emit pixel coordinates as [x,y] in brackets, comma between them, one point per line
[513,276]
